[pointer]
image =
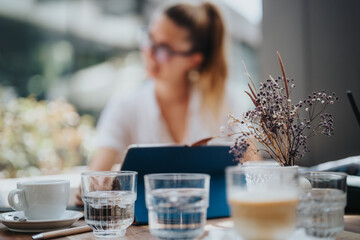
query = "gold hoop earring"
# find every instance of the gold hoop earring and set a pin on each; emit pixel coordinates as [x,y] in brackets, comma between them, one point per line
[193,75]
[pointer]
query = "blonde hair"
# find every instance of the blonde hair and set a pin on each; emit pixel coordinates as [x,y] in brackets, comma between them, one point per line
[207,35]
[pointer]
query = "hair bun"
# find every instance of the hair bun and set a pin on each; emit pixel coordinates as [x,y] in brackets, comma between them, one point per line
[210,8]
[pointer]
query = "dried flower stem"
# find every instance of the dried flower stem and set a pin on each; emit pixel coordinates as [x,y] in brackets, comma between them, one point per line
[284,76]
[249,76]
[251,97]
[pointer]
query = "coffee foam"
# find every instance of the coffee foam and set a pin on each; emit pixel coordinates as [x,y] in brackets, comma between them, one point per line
[263,196]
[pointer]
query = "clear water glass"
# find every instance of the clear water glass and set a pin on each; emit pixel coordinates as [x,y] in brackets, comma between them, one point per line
[263,200]
[109,199]
[322,204]
[177,204]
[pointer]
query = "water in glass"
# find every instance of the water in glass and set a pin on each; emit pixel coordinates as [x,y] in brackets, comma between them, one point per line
[109,212]
[321,212]
[177,212]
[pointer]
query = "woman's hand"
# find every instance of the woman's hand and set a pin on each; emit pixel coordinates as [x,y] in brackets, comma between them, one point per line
[78,200]
[104,159]
[104,184]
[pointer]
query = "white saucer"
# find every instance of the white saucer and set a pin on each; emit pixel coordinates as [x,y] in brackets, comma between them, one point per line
[66,220]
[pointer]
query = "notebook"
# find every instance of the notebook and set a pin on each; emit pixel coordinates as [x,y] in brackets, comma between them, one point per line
[181,159]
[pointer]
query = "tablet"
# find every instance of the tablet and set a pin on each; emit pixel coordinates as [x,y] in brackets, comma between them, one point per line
[212,160]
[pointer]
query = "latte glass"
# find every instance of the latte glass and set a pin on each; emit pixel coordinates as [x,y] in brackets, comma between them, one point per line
[263,200]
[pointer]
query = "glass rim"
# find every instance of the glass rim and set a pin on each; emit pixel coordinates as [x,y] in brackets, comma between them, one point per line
[315,173]
[177,176]
[109,173]
[41,182]
[265,162]
[242,168]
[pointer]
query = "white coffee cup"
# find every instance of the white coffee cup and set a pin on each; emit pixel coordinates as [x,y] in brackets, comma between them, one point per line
[40,199]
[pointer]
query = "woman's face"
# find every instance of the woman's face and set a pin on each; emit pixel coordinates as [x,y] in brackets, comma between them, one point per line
[168,53]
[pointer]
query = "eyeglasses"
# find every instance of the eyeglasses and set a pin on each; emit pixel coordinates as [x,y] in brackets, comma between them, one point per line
[162,52]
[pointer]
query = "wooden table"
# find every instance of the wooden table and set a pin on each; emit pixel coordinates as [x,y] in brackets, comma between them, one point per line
[352,231]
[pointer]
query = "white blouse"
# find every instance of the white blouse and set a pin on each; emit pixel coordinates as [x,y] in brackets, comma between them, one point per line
[136,119]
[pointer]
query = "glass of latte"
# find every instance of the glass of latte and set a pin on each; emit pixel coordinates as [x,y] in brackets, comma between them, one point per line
[263,200]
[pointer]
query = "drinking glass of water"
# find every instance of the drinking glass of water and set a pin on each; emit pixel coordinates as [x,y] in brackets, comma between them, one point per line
[177,204]
[109,199]
[321,207]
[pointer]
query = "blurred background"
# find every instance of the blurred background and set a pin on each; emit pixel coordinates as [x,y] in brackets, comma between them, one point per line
[61,61]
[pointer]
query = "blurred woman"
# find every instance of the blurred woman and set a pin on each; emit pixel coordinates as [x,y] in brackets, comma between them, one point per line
[184,53]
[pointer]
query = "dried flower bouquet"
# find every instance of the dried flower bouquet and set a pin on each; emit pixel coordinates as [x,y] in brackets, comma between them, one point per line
[276,123]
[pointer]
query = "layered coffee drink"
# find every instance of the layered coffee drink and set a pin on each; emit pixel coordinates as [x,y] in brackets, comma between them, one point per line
[257,219]
[263,201]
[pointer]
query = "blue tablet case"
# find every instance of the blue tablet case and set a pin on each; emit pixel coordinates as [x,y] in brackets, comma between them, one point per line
[181,159]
